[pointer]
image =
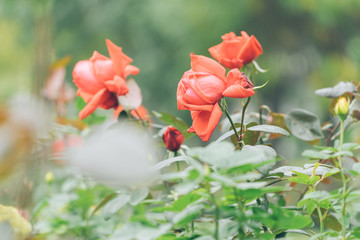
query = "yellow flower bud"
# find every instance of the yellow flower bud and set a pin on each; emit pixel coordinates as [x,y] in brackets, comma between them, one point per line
[49,177]
[342,108]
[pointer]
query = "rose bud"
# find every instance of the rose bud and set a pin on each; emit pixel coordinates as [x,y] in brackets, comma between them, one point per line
[173,139]
[236,51]
[342,108]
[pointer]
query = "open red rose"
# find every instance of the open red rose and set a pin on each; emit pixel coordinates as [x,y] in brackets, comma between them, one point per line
[201,88]
[236,51]
[173,139]
[100,80]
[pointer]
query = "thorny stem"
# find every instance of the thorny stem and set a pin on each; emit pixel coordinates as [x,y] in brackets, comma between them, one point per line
[343,212]
[331,133]
[177,163]
[240,212]
[217,216]
[320,220]
[224,109]
[242,121]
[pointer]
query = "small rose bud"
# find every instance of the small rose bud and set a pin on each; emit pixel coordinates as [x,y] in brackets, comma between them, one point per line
[173,139]
[49,177]
[342,108]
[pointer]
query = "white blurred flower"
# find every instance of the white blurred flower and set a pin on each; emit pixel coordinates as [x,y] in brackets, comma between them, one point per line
[120,155]
[12,225]
[21,120]
[133,98]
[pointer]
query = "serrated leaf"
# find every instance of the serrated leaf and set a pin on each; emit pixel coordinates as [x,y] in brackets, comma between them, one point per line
[356,167]
[304,125]
[269,129]
[114,205]
[135,230]
[332,222]
[277,119]
[336,91]
[267,153]
[103,202]
[315,154]
[138,195]
[187,215]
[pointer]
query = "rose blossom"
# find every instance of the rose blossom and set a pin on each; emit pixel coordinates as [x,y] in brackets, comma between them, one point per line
[173,139]
[236,51]
[201,88]
[100,80]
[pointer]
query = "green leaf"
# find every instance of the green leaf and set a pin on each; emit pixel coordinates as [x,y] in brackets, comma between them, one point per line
[286,170]
[294,221]
[103,202]
[265,153]
[138,195]
[186,200]
[250,137]
[315,154]
[356,167]
[304,125]
[135,230]
[114,205]
[174,121]
[277,119]
[269,129]
[336,91]
[181,203]
[342,153]
[310,206]
[318,197]
[187,215]
[332,222]
[169,161]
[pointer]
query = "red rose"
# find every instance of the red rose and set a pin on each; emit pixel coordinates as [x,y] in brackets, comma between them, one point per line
[201,88]
[100,80]
[236,51]
[173,139]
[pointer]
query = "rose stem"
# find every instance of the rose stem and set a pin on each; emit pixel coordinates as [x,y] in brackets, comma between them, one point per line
[177,162]
[142,120]
[224,109]
[242,121]
[343,213]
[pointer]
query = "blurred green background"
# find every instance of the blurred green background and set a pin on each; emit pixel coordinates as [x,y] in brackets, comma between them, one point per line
[307,44]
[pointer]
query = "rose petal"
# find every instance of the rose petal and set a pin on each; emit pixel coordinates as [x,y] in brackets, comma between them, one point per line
[204,64]
[104,70]
[120,60]
[94,103]
[131,70]
[237,91]
[117,85]
[250,50]
[97,56]
[204,123]
[84,77]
